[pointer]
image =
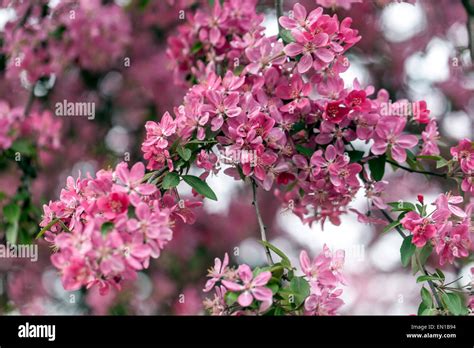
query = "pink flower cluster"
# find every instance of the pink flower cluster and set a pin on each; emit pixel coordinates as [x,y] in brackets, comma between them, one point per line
[40,127]
[463,154]
[448,228]
[46,43]
[10,124]
[216,36]
[297,130]
[320,39]
[250,288]
[105,229]
[324,274]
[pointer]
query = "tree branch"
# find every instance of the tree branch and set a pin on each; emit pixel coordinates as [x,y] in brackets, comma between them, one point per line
[416,171]
[469,7]
[279,11]
[263,234]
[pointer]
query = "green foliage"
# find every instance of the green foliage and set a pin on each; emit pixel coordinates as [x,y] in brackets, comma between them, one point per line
[200,186]
[407,250]
[170,180]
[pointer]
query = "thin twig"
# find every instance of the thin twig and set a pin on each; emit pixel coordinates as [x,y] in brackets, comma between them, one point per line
[408,169]
[279,12]
[29,103]
[469,7]
[263,234]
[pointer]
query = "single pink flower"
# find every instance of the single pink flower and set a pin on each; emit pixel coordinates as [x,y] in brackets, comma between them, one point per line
[217,272]
[251,287]
[158,133]
[422,229]
[389,136]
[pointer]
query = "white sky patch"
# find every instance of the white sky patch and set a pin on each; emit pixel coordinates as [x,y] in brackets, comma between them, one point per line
[401,21]
[433,65]
[356,70]
[270,24]
[436,100]
[6,15]
[385,252]
[117,139]
[223,186]
[457,124]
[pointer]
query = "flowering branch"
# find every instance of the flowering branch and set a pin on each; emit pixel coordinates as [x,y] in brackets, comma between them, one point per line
[422,268]
[262,226]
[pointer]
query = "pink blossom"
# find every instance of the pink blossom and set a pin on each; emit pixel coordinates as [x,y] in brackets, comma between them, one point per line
[453,241]
[430,138]
[422,229]
[157,133]
[389,136]
[251,287]
[420,112]
[217,272]
[464,153]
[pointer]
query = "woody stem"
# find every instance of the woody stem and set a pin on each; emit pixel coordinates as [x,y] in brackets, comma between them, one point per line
[263,228]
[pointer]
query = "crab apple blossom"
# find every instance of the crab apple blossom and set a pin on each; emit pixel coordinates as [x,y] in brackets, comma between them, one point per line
[388,136]
[276,111]
[99,242]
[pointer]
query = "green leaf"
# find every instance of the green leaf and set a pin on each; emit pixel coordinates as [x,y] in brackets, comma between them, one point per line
[300,288]
[286,36]
[231,297]
[200,186]
[355,155]
[454,303]
[11,212]
[407,250]
[184,153]
[441,163]
[285,261]
[391,226]
[274,287]
[425,278]
[425,253]
[11,234]
[304,150]
[426,297]
[377,167]
[46,228]
[196,47]
[440,274]
[402,206]
[170,180]
[24,147]
[429,157]
[106,227]
[421,308]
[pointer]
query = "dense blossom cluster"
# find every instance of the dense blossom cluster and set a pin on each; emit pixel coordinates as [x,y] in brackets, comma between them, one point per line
[288,127]
[40,127]
[278,107]
[107,228]
[463,154]
[217,37]
[324,274]
[255,290]
[448,228]
[39,45]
